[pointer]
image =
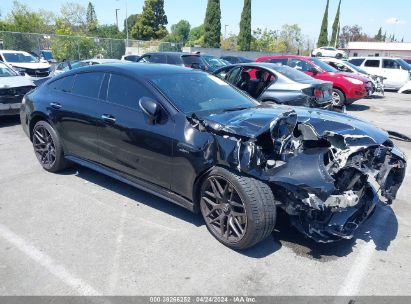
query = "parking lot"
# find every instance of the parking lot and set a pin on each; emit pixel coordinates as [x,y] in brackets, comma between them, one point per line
[82,233]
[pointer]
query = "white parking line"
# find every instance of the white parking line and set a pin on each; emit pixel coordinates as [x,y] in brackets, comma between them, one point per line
[355,276]
[47,262]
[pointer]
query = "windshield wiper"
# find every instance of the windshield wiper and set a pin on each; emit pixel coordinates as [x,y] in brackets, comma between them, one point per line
[236,109]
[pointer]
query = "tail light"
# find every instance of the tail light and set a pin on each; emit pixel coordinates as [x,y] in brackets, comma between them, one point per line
[318,93]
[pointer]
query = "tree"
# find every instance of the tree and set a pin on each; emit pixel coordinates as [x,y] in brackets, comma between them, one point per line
[353,33]
[179,32]
[152,21]
[264,40]
[131,22]
[336,25]
[244,38]
[323,38]
[91,17]
[379,36]
[290,39]
[196,36]
[74,15]
[212,24]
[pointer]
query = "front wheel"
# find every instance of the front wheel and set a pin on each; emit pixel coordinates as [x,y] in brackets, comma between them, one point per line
[318,54]
[338,97]
[47,147]
[239,211]
[339,56]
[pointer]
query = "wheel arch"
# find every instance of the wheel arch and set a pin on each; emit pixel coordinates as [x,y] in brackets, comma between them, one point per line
[35,118]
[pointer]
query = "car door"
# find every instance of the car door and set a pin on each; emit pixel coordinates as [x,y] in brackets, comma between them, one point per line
[373,66]
[73,102]
[129,144]
[396,77]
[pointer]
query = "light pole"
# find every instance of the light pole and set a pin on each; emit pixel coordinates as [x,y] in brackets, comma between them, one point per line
[225,30]
[126,25]
[117,9]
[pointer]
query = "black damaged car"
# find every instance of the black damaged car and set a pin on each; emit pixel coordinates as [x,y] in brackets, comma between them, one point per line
[195,140]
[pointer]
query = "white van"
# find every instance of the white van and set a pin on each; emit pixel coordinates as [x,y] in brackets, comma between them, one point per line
[26,64]
[396,71]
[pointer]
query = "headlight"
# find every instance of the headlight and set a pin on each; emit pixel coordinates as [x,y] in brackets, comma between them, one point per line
[353,80]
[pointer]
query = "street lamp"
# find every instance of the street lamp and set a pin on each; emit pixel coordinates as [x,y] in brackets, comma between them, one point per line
[117,9]
[126,22]
[225,30]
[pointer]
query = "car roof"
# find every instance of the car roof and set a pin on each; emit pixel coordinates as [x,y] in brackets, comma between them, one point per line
[103,60]
[284,56]
[138,70]
[11,51]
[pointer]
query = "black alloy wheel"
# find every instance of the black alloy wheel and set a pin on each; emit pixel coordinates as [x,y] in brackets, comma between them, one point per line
[44,146]
[223,209]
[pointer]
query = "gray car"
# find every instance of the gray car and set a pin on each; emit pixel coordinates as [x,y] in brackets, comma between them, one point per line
[13,87]
[279,84]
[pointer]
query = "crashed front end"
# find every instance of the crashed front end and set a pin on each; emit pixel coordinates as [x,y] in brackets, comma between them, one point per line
[327,178]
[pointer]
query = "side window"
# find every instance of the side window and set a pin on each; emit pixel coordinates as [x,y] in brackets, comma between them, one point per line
[300,65]
[391,64]
[1,58]
[125,91]
[158,58]
[64,84]
[372,63]
[172,60]
[357,62]
[145,59]
[88,84]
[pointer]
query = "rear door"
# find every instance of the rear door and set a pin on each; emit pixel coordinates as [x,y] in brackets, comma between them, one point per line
[74,101]
[373,66]
[396,77]
[128,143]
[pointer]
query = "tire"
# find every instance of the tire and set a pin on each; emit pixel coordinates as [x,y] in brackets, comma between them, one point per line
[339,56]
[338,97]
[47,147]
[242,206]
[319,54]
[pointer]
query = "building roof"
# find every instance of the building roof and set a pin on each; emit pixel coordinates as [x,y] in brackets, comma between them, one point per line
[380,46]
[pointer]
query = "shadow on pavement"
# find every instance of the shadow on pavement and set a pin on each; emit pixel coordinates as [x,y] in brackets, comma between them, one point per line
[135,194]
[9,121]
[358,107]
[381,229]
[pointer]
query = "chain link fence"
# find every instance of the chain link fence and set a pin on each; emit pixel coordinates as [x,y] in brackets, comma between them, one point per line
[81,47]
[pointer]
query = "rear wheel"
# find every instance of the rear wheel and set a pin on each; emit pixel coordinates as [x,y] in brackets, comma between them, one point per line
[47,147]
[319,54]
[338,97]
[339,56]
[239,211]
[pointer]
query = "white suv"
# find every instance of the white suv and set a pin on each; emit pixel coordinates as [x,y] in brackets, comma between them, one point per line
[396,71]
[26,64]
[328,51]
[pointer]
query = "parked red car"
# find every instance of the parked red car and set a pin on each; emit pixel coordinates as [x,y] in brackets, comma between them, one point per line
[347,87]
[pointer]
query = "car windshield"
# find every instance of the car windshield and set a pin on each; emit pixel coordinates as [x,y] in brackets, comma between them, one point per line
[214,61]
[5,71]
[206,93]
[323,65]
[20,57]
[291,73]
[355,68]
[47,55]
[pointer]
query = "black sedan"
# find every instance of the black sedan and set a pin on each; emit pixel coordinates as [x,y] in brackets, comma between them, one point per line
[193,139]
[279,84]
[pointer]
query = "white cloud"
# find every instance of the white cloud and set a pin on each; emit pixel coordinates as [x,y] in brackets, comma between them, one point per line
[394,20]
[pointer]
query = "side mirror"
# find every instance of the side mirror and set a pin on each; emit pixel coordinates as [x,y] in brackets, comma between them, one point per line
[151,108]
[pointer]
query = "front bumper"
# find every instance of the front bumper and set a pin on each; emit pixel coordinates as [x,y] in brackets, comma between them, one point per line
[9,108]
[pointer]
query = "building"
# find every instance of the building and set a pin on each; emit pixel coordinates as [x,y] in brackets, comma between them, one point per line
[378,49]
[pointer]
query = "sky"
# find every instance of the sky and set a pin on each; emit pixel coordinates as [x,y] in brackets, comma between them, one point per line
[394,16]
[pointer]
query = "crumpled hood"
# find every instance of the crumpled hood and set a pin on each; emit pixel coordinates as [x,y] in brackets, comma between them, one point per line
[30,65]
[255,121]
[15,82]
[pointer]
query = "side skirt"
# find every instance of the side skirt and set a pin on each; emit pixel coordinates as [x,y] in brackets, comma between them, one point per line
[137,183]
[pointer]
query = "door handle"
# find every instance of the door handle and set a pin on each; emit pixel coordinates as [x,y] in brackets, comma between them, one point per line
[55,105]
[108,119]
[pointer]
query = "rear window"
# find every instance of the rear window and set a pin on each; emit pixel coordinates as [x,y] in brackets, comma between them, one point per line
[323,65]
[64,84]
[293,74]
[282,61]
[190,59]
[357,62]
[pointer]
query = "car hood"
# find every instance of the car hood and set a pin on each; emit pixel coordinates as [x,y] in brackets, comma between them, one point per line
[30,65]
[15,82]
[252,122]
[345,74]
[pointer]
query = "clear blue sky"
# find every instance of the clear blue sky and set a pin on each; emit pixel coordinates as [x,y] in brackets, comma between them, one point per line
[394,16]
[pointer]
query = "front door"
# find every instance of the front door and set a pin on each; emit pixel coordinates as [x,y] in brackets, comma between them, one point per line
[128,143]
